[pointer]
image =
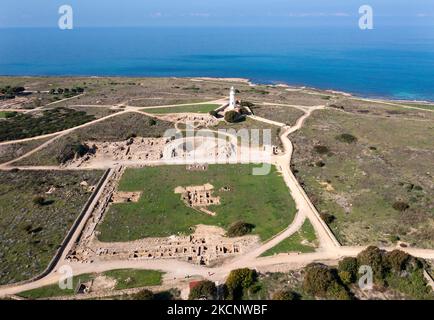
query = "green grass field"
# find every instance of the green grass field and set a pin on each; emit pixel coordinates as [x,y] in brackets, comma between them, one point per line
[295,242]
[127,278]
[195,108]
[54,290]
[264,201]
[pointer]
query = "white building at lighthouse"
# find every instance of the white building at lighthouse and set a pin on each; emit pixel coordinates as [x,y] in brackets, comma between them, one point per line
[232,100]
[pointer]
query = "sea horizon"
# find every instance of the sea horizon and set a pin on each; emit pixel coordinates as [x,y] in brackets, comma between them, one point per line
[385,63]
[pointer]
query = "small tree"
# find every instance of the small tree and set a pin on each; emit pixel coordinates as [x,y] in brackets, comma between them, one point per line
[317,279]
[347,138]
[231,116]
[238,280]
[374,258]
[39,200]
[239,229]
[285,295]
[321,281]
[327,217]
[400,261]
[203,290]
[348,269]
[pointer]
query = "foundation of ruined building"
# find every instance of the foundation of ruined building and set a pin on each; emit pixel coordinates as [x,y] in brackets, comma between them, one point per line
[199,197]
[207,245]
[126,197]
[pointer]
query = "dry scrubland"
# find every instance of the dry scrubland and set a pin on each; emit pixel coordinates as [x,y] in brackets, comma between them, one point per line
[118,128]
[33,223]
[286,115]
[9,152]
[368,168]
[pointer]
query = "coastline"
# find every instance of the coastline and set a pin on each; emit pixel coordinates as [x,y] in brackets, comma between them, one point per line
[248,81]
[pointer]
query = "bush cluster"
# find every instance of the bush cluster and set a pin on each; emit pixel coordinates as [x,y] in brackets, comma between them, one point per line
[238,281]
[395,269]
[239,229]
[347,138]
[23,125]
[232,116]
[322,281]
[66,91]
[203,290]
[10,92]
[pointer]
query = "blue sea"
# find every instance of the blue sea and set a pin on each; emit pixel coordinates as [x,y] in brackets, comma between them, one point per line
[386,62]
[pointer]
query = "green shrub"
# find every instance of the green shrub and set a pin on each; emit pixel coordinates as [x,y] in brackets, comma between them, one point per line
[238,280]
[346,138]
[374,258]
[285,295]
[348,269]
[321,281]
[203,290]
[239,229]
[232,116]
[401,206]
[399,261]
[318,279]
[412,284]
[39,200]
[338,292]
[346,277]
[327,217]
[321,149]
[320,164]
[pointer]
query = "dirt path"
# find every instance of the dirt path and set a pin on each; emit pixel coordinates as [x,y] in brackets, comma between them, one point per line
[329,249]
[394,104]
[57,135]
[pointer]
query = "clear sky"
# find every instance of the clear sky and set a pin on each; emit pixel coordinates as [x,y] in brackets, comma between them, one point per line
[123,13]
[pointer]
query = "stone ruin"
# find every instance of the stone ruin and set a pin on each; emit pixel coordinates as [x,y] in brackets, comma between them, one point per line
[205,246]
[208,244]
[198,197]
[125,197]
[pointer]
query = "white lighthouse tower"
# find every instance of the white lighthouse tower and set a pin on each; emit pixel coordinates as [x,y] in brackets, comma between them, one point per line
[232,101]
